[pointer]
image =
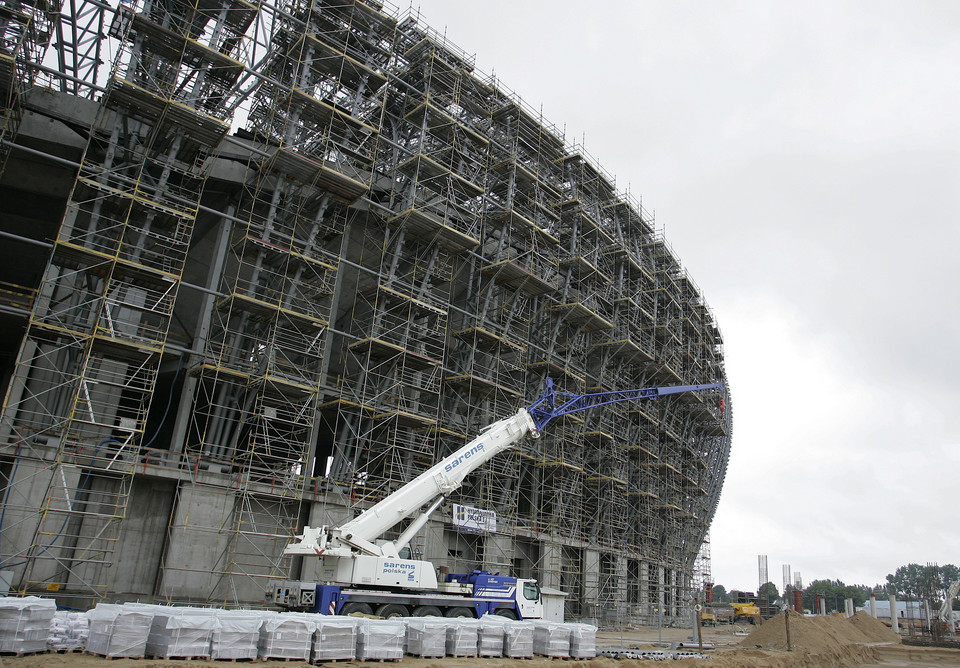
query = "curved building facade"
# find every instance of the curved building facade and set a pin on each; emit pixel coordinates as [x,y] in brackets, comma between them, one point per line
[278,258]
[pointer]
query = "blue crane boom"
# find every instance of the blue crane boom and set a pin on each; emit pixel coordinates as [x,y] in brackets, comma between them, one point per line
[553,404]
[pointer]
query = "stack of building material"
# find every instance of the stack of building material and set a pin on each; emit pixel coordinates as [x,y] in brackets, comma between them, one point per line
[427,636]
[119,630]
[237,634]
[490,637]
[25,624]
[583,641]
[287,636]
[181,633]
[462,636]
[551,639]
[380,639]
[518,640]
[335,639]
[68,631]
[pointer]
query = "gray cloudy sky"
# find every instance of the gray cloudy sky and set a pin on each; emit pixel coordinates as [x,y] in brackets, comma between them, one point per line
[803,159]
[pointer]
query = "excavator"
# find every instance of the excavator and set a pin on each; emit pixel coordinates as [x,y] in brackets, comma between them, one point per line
[363,573]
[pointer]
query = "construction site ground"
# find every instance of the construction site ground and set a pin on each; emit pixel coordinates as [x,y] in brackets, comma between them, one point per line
[815,642]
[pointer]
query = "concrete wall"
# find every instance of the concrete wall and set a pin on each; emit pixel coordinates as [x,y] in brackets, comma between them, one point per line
[197,547]
[141,542]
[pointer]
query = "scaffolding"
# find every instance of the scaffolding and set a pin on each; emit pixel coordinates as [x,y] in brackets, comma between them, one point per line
[305,250]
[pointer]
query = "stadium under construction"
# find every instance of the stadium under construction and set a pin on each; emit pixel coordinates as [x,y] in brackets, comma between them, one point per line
[264,262]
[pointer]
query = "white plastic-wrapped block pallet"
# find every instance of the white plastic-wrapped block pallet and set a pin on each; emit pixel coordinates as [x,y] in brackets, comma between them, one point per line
[518,640]
[583,641]
[237,634]
[380,639]
[335,638]
[462,633]
[551,639]
[119,630]
[490,636]
[25,624]
[427,636]
[181,632]
[287,635]
[68,631]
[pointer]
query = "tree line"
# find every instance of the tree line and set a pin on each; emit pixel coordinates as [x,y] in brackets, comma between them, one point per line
[911,582]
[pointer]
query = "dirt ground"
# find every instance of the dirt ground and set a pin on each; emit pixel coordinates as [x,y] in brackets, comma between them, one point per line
[814,643]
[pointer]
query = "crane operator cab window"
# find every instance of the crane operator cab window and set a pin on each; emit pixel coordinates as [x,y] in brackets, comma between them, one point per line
[531,591]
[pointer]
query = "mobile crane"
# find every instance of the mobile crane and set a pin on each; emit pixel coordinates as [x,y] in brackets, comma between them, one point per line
[945,616]
[367,575]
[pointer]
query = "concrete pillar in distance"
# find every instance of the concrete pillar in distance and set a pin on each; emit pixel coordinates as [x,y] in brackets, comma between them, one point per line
[895,624]
[848,607]
[873,606]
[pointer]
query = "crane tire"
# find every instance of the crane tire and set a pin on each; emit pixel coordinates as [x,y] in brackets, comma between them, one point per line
[426,611]
[506,613]
[351,608]
[459,612]
[388,610]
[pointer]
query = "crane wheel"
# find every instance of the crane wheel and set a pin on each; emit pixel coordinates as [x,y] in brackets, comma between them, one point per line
[390,610]
[361,608]
[505,613]
[459,612]
[427,611]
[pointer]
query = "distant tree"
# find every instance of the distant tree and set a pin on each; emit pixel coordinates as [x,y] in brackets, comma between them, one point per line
[720,594]
[770,590]
[916,582]
[833,591]
[859,594]
[905,581]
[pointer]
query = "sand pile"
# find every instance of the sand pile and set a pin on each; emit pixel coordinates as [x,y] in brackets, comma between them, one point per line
[842,630]
[819,634]
[873,629]
[805,634]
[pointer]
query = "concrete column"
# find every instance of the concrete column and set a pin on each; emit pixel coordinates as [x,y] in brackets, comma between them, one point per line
[848,607]
[498,554]
[873,606]
[893,614]
[550,568]
[591,583]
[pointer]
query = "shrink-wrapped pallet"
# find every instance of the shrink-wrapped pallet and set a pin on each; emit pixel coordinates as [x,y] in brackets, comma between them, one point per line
[518,640]
[380,639]
[68,631]
[25,623]
[120,630]
[490,636]
[335,638]
[427,636]
[583,641]
[181,632]
[551,639]
[287,635]
[462,635]
[236,635]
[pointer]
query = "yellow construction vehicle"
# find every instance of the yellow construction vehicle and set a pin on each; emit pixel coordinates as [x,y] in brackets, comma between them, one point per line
[746,612]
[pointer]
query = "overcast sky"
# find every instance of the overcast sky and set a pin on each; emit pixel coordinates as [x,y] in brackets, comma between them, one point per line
[803,160]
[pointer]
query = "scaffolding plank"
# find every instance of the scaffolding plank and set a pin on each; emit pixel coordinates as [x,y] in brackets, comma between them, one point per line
[429,227]
[519,278]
